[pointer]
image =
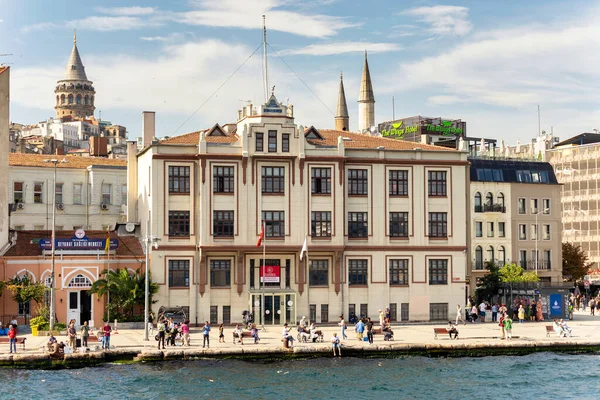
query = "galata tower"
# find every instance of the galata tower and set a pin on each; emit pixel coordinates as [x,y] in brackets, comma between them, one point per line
[74,93]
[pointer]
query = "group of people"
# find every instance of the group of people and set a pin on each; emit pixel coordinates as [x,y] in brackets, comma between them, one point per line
[585,302]
[523,309]
[561,328]
[308,333]
[173,332]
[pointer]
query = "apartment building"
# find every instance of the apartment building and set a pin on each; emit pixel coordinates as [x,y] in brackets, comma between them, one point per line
[383,219]
[4,151]
[515,217]
[91,192]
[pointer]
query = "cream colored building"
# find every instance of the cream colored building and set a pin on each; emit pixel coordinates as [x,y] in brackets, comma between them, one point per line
[4,151]
[91,192]
[515,217]
[384,221]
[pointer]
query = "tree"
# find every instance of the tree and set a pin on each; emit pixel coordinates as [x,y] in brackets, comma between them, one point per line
[489,284]
[575,263]
[512,273]
[24,290]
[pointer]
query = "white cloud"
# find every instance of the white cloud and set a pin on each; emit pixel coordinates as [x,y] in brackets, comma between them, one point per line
[247,14]
[326,49]
[95,23]
[128,11]
[155,38]
[443,20]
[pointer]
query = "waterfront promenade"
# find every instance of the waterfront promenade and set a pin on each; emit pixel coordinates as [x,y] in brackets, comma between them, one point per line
[408,338]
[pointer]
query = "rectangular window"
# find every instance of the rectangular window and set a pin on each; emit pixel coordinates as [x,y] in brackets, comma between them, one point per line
[546,232]
[18,195]
[25,308]
[478,229]
[38,192]
[522,232]
[319,273]
[274,223]
[438,272]
[364,311]
[223,224]
[273,179]
[357,272]
[252,272]
[534,232]
[438,311]
[59,193]
[179,179]
[393,312]
[312,312]
[179,223]
[320,224]
[123,194]
[179,273]
[259,141]
[220,273]
[223,179]
[501,229]
[490,229]
[106,193]
[547,259]
[399,224]
[324,313]
[534,205]
[521,206]
[320,182]
[546,206]
[398,182]
[358,225]
[438,224]
[272,141]
[226,315]
[351,310]
[214,314]
[437,183]
[404,311]
[398,272]
[358,182]
[288,265]
[523,258]
[285,142]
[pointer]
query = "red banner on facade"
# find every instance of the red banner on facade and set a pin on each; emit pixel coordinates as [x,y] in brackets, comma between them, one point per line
[270,274]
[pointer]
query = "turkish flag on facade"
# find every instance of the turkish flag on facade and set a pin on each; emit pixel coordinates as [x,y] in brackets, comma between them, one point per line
[261,236]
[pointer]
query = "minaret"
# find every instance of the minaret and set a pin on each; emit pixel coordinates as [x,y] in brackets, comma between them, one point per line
[342,120]
[74,93]
[366,100]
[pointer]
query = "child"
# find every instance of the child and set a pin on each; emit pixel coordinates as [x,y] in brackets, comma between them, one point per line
[521,314]
[508,327]
[221,336]
[335,344]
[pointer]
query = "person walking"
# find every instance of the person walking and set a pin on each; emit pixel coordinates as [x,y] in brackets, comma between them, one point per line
[342,325]
[161,328]
[508,325]
[335,344]
[370,330]
[151,323]
[221,334]
[206,332]
[501,325]
[459,315]
[12,338]
[521,314]
[360,329]
[85,334]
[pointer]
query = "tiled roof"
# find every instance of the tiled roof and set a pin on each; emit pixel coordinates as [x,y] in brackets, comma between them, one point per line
[364,141]
[37,160]
[28,243]
[194,137]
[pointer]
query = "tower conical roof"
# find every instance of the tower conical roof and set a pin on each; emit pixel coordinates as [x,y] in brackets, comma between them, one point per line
[342,108]
[75,70]
[366,87]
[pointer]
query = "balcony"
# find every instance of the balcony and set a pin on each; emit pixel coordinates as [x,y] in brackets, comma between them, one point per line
[479,265]
[530,265]
[490,208]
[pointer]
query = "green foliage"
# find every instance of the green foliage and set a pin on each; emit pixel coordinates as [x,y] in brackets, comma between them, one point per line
[24,290]
[575,263]
[38,321]
[489,284]
[126,291]
[512,273]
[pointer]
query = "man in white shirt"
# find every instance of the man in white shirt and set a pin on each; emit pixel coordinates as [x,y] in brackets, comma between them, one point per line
[288,340]
[482,308]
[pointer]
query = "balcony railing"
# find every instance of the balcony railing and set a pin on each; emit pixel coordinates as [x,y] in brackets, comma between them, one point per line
[490,208]
[483,265]
[530,265]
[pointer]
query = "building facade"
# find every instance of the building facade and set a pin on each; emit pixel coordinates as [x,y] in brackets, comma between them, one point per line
[4,151]
[91,192]
[383,221]
[515,217]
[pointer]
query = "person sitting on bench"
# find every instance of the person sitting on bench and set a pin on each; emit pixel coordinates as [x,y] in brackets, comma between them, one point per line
[238,333]
[451,329]
[565,328]
[558,329]
[304,334]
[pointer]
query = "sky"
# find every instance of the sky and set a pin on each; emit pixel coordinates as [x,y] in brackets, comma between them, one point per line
[489,63]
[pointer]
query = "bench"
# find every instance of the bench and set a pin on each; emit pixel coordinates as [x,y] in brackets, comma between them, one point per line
[549,330]
[439,331]
[20,341]
[245,334]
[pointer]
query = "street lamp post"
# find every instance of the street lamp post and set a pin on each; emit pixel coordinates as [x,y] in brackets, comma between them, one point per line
[52,271]
[149,241]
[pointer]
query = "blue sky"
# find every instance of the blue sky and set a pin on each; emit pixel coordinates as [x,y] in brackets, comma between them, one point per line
[488,62]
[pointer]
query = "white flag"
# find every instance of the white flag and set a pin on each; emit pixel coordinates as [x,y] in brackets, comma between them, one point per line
[304,250]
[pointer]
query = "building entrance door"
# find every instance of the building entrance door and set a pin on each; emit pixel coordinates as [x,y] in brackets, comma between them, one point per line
[280,308]
[79,307]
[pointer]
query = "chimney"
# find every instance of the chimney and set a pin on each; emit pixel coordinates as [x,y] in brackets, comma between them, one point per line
[132,181]
[148,127]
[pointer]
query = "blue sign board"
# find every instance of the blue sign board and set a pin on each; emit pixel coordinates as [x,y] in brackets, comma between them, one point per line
[75,244]
[556,305]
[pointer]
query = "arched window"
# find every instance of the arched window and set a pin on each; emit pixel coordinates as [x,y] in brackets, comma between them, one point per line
[478,257]
[86,99]
[62,99]
[489,199]
[502,255]
[80,281]
[478,202]
[70,99]
[500,199]
[490,254]
[78,99]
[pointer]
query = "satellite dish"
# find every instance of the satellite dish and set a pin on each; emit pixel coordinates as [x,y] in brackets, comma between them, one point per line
[130,227]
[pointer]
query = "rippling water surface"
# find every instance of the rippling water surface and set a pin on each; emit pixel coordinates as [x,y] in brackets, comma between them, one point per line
[538,376]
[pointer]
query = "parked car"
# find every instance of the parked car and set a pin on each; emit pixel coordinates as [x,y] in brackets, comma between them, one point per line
[177,313]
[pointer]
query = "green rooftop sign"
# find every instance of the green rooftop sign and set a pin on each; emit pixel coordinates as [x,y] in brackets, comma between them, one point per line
[398,130]
[443,127]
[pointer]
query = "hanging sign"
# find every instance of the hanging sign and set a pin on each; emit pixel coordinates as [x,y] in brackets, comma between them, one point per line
[270,274]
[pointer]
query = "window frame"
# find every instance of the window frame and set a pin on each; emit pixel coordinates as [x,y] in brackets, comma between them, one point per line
[222,267]
[272,141]
[522,206]
[285,142]
[104,195]
[124,193]
[183,269]
[179,218]
[274,227]
[546,210]
[438,269]
[272,180]
[38,193]
[358,182]
[318,274]
[398,224]
[259,142]
[358,225]
[358,272]
[437,182]
[546,232]
[501,229]
[398,183]
[179,179]
[322,219]
[223,179]
[223,223]
[479,233]
[398,272]
[58,193]
[18,199]
[438,225]
[318,181]
[522,234]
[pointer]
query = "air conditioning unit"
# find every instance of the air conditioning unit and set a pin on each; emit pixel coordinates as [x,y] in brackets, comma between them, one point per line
[20,206]
[104,207]
[60,206]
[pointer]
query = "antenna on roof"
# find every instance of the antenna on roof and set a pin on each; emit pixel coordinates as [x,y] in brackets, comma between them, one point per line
[265,72]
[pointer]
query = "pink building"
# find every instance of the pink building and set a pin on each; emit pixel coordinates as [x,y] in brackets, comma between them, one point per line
[79,261]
